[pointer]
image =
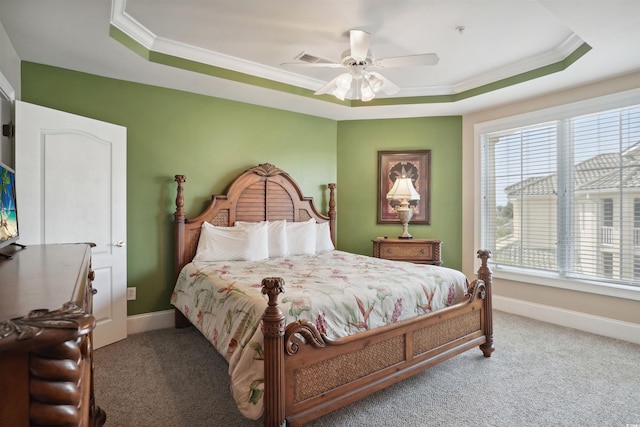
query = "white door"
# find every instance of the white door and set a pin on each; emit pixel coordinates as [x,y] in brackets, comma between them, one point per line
[71,187]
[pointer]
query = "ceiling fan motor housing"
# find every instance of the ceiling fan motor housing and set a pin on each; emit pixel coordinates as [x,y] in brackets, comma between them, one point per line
[350,61]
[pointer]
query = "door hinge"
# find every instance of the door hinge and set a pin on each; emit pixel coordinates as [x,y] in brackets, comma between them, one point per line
[9,130]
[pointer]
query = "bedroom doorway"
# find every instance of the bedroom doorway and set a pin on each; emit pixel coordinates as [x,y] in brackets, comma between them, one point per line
[71,187]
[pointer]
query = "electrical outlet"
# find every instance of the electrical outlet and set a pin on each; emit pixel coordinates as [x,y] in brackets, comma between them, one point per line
[131,294]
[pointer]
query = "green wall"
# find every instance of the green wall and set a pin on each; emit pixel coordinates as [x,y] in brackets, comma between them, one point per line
[212,140]
[358,146]
[170,132]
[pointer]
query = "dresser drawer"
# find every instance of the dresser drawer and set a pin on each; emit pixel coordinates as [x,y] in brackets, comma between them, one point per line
[422,251]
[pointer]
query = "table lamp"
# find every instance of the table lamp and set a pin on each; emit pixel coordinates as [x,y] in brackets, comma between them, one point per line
[403,191]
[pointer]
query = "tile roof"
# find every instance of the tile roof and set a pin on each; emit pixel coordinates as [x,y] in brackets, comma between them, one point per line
[601,172]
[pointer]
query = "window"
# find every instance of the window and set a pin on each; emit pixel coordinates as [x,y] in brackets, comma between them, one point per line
[561,196]
[607,222]
[636,223]
[607,264]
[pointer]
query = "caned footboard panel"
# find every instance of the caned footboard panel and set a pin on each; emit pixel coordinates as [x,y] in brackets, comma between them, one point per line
[319,380]
[444,332]
[326,375]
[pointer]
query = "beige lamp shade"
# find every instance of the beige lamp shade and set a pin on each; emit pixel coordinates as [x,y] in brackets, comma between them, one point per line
[403,189]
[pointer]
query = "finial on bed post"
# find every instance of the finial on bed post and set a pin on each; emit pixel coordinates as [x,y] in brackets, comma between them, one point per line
[273,331]
[485,274]
[332,212]
[179,215]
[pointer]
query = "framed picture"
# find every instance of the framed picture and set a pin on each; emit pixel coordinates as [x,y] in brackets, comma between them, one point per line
[413,164]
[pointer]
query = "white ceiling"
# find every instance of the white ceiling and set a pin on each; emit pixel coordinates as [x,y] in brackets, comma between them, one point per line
[501,38]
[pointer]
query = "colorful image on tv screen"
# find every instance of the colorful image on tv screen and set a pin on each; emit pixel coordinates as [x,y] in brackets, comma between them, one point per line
[8,217]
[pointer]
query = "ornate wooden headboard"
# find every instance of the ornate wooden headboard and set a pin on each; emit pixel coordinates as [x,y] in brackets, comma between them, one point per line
[263,192]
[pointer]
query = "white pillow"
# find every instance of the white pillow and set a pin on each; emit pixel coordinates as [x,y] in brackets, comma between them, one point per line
[232,243]
[277,235]
[323,238]
[301,237]
[278,239]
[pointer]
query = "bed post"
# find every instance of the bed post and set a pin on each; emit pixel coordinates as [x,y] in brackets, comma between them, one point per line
[180,320]
[273,331]
[332,212]
[484,274]
[178,218]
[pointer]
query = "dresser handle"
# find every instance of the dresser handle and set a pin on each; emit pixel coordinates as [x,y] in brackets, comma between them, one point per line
[93,290]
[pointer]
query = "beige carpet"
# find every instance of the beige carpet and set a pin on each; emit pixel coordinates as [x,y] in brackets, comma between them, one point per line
[539,375]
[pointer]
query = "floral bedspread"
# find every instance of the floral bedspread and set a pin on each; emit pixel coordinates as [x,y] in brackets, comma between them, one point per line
[340,292]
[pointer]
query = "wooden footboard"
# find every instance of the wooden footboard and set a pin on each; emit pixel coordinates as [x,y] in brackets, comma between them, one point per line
[308,375]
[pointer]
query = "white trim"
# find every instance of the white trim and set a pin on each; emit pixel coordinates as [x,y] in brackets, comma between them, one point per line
[150,321]
[612,101]
[572,319]
[566,48]
[603,103]
[142,35]
[128,25]
[555,281]
[585,322]
[149,40]
[6,90]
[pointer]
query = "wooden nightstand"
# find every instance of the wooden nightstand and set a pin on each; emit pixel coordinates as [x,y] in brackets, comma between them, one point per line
[419,251]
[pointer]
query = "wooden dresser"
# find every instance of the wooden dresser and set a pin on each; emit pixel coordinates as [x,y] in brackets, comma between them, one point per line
[46,355]
[419,251]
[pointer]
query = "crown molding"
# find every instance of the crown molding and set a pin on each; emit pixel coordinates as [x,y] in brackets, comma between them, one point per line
[150,41]
[182,55]
[6,90]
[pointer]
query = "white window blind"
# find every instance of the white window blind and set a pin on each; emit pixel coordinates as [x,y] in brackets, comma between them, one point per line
[563,196]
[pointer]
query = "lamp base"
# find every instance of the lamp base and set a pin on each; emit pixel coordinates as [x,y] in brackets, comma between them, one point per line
[404,215]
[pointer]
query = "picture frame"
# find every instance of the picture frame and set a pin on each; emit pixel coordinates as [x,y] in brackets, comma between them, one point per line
[417,165]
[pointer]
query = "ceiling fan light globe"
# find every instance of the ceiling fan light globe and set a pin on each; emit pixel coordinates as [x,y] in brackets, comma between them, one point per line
[375,83]
[366,94]
[340,93]
[344,81]
[366,98]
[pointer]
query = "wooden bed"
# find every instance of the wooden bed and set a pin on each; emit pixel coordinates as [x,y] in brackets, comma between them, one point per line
[307,375]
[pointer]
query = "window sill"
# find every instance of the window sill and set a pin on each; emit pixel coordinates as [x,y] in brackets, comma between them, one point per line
[555,281]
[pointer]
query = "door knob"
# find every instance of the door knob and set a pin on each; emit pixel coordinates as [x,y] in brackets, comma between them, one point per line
[120,243]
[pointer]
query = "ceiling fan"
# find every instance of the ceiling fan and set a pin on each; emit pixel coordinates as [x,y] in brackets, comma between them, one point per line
[358,81]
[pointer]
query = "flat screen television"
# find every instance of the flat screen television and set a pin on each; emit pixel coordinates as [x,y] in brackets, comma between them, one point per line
[8,212]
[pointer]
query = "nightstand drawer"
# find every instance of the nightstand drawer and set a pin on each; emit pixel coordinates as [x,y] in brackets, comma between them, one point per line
[404,251]
[422,251]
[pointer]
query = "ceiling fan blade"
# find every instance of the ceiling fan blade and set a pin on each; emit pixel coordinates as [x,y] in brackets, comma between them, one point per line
[360,41]
[408,61]
[314,64]
[328,87]
[388,86]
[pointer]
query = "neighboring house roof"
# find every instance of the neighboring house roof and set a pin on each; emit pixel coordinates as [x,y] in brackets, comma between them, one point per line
[600,172]
[514,254]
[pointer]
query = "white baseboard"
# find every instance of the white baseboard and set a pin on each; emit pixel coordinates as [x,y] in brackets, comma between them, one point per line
[150,321]
[573,319]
